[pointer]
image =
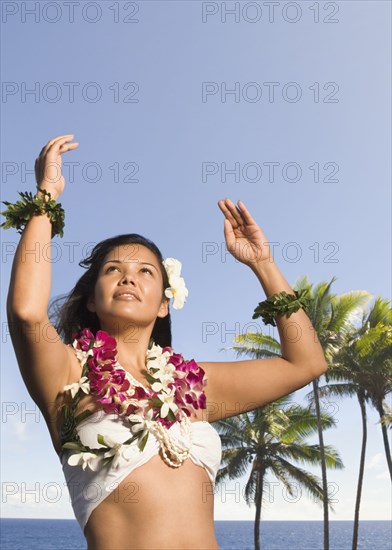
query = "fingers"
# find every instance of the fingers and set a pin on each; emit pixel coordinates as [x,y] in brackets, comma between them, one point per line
[67,146]
[229,234]
[59,143]
[53,148]
[232,212]
[46,147]
[245,213]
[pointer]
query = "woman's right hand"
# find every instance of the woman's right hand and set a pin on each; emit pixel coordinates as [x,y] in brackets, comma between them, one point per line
[48,165]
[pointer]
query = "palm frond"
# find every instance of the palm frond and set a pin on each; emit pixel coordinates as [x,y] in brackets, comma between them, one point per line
[344,306]
[304,423]
[236,462]
[339,390]
[308,481]
[311,454]
[255,345]
[380,313]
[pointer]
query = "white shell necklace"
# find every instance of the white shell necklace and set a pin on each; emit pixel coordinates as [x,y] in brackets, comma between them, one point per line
[178,453]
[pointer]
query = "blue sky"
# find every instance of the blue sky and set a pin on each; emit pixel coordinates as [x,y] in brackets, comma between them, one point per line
[303,140]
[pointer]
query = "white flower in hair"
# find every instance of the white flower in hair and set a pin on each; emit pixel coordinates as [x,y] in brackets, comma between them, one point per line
[177,289]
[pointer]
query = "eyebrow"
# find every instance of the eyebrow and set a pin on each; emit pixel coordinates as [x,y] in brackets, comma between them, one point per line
[132,261]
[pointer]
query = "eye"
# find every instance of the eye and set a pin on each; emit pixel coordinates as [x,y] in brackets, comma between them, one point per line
[146,269]
[111,267]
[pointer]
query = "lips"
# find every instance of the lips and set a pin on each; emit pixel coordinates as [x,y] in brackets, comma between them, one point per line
[126,293]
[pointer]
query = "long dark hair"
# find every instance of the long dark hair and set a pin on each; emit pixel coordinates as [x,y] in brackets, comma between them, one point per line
[72,315]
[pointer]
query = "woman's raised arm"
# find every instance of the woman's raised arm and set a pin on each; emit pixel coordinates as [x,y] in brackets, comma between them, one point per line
[44,360]
[29,290]
[241,386]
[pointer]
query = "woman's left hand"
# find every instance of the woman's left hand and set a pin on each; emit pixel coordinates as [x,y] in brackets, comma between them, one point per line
[244,238]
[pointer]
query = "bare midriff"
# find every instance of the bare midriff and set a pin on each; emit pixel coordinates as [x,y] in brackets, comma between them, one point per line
[156,506]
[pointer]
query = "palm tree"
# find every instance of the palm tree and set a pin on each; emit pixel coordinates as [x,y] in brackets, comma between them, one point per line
[374,347]
[272,437]
[362,366]
[386,419]
[331,318]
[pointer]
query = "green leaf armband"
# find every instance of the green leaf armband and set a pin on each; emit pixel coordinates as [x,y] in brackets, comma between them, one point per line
[19,213]
[281,303]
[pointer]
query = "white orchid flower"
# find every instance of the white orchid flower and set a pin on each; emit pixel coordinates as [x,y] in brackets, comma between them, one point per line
[177,289]
[178,292]
[172,266]
[163,380]
[165,371]
[144,423]
[168,404]
[168,370]
[157,386]
[156,349]
[157,362]
[82,355]
[85,459]
[155,358]
[117,451]
[83,384]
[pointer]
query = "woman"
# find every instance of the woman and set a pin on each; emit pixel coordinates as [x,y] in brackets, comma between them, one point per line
[140,472]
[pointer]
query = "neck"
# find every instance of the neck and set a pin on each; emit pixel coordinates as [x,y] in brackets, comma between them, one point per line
[132,344]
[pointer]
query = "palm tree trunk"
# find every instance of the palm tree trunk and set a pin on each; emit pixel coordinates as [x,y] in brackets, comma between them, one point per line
[323,464]
[381,412]
[361,470]
[258,499]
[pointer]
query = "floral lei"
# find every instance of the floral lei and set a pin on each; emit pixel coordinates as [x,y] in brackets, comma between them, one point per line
[176,391]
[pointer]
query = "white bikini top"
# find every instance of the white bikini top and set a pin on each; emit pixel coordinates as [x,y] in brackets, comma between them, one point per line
[89,488]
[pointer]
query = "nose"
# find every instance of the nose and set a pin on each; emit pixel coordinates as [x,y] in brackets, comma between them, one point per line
[128,277]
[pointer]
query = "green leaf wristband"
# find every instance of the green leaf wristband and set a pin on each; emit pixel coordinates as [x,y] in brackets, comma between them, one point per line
[281,303]
[19,213]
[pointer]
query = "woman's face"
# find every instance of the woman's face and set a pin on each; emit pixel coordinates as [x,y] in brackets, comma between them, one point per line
[129,286]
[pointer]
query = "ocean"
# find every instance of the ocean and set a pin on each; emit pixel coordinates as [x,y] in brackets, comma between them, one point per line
[65,534]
